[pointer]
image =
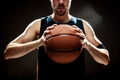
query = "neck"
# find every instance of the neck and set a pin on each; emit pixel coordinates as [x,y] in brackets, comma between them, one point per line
[62,19]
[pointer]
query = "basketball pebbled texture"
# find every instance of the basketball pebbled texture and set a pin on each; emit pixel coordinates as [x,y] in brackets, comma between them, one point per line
[63,44]
[63,38]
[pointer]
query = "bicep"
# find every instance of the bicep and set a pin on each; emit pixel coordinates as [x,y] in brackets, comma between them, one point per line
[90,34]
[29,33]
[26,36]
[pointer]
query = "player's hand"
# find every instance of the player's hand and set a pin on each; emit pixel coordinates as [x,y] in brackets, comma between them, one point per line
[51,27]
[47,31]
[82,36]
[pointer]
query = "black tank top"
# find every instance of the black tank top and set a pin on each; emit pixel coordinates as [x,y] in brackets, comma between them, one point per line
[49,70]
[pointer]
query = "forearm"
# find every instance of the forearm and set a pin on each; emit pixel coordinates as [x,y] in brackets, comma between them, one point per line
[99,55]
[16,50]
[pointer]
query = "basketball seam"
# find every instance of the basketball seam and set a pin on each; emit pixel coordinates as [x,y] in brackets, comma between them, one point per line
[64,34]
[70,50]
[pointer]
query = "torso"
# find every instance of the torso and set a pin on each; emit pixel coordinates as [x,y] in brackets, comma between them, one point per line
[61,57]
[75,69]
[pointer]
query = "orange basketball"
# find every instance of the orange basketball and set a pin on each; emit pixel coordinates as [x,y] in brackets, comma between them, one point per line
[62,44]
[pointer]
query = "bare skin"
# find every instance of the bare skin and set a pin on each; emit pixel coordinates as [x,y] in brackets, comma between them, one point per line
[25,42]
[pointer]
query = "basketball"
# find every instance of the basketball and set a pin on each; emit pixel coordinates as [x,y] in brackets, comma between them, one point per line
[63,41]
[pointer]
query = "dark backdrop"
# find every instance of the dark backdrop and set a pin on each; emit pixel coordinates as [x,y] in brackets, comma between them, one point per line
[103,15]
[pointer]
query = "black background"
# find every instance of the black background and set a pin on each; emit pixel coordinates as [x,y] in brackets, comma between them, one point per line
[16,15]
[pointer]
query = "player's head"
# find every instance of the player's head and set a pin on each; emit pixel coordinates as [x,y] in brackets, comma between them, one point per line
[60,7]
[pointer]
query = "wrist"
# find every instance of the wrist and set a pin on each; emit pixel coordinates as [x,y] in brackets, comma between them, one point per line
[86,45]
[38,42]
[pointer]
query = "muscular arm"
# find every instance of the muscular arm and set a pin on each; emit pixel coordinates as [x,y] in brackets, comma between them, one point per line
[100,55]
[25,42]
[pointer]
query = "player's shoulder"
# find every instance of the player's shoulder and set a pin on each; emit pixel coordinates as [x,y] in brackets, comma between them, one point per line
[34,22]
[38,20]
[78,18]
[81,19]
[85,22]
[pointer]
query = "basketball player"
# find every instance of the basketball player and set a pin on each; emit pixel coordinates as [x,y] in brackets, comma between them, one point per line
[48,69]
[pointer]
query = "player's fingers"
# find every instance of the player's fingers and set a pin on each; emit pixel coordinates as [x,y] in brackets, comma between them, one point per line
[74,26]
[82,36]
[46,32]
[77,29]
[51,27]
